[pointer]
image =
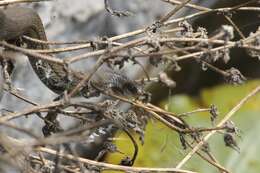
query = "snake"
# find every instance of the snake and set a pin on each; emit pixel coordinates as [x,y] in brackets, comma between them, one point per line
[16,22]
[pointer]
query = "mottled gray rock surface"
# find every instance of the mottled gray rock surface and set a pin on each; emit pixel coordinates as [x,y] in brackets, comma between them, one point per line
[67,20]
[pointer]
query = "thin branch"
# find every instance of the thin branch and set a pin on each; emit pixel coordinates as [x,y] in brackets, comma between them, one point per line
[174,11]
[221,123]
[107,166]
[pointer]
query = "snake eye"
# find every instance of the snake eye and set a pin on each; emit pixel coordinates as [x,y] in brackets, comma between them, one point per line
[130,87]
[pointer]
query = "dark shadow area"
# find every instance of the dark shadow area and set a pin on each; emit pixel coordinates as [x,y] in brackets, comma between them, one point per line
[191,79]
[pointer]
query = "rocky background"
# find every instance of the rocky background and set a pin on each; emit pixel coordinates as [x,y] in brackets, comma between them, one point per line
[67,20]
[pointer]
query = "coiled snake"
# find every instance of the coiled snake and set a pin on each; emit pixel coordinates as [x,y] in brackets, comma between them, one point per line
[16,22]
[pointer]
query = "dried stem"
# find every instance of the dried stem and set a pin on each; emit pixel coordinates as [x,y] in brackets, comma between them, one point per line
[221,123]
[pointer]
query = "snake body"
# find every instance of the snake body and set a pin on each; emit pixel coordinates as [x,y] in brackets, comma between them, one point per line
[16,22]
